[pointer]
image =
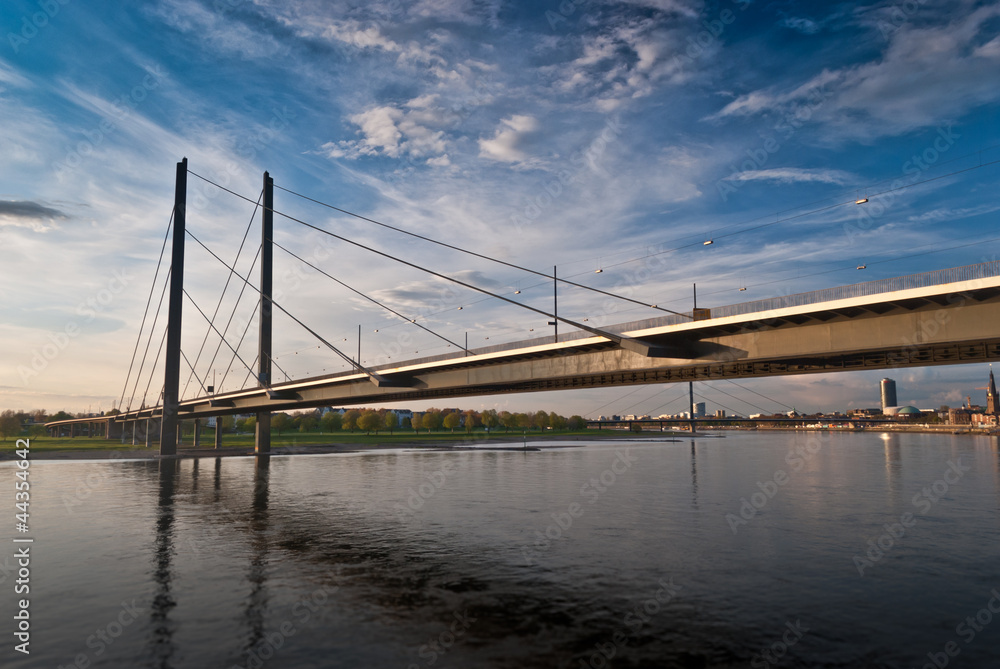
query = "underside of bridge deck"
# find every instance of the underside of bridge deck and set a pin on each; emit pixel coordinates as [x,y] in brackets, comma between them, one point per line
[945,328]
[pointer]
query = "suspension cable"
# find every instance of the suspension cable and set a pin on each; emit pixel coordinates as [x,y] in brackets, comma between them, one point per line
[229,278]
[413,321]
[145,313]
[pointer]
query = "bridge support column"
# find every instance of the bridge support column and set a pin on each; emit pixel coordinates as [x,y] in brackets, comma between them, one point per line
[262,441]
[172,369]
[147,433]
[262,436]
[218,432]
[197,432]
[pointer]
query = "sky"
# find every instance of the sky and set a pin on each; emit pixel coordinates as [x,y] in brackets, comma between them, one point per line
[581,135]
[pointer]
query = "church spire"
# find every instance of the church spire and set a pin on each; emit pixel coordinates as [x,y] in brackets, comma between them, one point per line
[991,396]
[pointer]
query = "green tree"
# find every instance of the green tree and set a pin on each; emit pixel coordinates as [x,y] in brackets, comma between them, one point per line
[577,422]
[432,420]
[350,419]
[417,422]
[557,422]
[470,421]
[247,424]
[490,419]
[308,423]
[507,420]
[332,421]
[390,421]
[452,420]
[522,420]
[540,420]
[228,423]
[61,415]
[10,425]
[369,421]
[280,422]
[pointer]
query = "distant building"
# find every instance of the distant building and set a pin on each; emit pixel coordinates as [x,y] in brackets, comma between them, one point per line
[888,393]
[991,396]
[903,412]
[984,420]
[699,410]
[960,416]
[720,413]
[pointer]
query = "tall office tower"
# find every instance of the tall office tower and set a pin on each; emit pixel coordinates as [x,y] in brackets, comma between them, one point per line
[888,393]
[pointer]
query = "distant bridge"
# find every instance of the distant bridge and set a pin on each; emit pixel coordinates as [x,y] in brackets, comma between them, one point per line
[944,317]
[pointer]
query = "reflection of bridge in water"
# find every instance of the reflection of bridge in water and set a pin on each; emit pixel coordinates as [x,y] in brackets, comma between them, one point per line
[937,318]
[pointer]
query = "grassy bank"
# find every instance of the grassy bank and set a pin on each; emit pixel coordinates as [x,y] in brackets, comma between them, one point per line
[293,439]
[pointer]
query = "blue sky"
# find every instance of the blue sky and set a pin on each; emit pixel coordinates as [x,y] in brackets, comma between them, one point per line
[582,134]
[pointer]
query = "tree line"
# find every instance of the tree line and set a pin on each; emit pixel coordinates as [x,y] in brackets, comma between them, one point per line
[13,423]
[432,420]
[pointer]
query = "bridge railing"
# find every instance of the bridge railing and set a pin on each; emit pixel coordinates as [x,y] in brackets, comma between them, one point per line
[877,287]
[868,288]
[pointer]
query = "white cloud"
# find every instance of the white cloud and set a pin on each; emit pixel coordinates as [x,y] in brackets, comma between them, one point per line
[394,132]
[927,75]
[796,175]
[439,161]
[689,9]
[621,63]
[216,30]
[949,214]
[507,144]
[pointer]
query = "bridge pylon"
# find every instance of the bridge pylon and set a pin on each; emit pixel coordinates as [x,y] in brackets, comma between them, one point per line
[172,371]
[262,436]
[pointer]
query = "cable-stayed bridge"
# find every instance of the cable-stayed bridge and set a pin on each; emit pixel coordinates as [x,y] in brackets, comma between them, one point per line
[949,316]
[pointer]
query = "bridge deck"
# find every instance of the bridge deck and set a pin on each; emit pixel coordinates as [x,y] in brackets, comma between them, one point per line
[944,317]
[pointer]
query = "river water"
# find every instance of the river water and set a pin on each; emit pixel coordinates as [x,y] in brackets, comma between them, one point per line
[756,549]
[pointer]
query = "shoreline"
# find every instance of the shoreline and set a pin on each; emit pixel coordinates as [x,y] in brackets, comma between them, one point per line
[505,443]
[151,453]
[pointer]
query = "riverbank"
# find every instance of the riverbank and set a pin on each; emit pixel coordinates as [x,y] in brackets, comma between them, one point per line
[81,448]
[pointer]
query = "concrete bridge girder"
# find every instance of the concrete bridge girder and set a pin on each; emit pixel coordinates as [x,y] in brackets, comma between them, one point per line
[936,325]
